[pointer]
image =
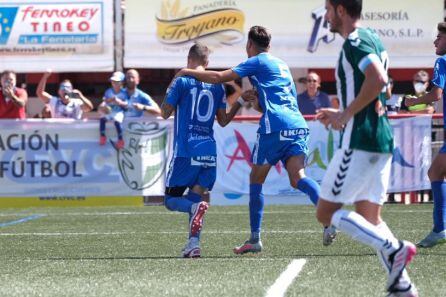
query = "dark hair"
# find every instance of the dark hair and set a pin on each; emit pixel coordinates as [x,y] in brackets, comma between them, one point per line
[8,72]
[353,7]
[200,53]
[260,36]
[442,27]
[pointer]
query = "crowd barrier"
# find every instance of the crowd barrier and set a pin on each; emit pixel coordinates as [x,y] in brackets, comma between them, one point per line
[59,162]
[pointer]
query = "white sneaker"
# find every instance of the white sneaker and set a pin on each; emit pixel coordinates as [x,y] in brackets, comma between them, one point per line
[411,291]
[329,235]
[398,261]
[433,239]
[192,248]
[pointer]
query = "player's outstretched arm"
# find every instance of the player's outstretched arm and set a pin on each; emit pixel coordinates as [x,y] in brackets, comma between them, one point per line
[434,95]
[224,118]
[208,76]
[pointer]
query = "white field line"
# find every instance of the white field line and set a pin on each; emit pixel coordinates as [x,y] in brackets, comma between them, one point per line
[137,213]
[278,289]
[215,232]
[211,232]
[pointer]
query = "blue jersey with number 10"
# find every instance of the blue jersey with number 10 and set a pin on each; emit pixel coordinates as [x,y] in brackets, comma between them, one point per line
[196,106]
[272,79]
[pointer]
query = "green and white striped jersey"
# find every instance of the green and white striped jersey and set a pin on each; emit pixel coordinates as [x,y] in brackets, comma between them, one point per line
[369,130]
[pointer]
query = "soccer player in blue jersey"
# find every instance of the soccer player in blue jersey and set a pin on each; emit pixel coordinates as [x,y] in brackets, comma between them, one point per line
[283,132]
[437,171]
[194,159]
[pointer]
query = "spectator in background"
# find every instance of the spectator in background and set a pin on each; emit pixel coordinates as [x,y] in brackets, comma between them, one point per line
[70,103]
[420,85]
[45,113]
[138,100]
[113,108]
[393,101]
[12,99]
[312,99]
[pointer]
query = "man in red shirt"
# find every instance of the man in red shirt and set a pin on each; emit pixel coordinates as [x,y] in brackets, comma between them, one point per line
[12,99]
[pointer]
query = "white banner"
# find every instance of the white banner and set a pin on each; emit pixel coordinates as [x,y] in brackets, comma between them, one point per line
[63,158]
[413,154]
[411,160]
[64,36]
[159,33]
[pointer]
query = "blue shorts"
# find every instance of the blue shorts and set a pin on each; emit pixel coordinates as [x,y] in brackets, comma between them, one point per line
[276,146]
[443,149]
[188,172]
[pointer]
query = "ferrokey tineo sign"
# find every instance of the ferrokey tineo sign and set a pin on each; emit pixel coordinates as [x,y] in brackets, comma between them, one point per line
[143,159]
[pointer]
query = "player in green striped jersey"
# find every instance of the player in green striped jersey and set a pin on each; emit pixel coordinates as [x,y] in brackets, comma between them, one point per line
[359,172]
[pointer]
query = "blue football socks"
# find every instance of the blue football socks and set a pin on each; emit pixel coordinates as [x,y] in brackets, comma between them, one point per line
[439,212]
[256,202]
[310,187]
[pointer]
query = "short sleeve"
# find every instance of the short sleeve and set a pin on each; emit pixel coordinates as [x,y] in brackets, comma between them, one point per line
[53,102]
[247,68]
[361,53]
[108,94]
[174,91]
[439,78]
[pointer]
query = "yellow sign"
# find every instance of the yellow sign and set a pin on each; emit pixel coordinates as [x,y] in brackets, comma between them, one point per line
[174,26]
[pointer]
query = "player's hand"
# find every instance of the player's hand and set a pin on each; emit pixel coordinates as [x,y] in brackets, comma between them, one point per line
[250,95]
[410,100]
[76,91]
[332,117]
[139,106]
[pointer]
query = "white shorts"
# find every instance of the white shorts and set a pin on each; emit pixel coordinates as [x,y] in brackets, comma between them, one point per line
[117,116]
[356,175]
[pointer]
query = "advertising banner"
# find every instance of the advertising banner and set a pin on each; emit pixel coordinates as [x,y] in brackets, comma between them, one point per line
[159,33]
[63,158]
[411,160]
[64,36]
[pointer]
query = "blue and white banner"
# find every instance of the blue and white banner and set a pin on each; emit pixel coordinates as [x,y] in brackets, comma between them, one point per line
[413,154]
[411,160]
[49,158]
[64,36]
[63,158]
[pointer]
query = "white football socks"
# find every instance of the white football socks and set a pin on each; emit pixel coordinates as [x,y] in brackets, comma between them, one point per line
[363,231]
